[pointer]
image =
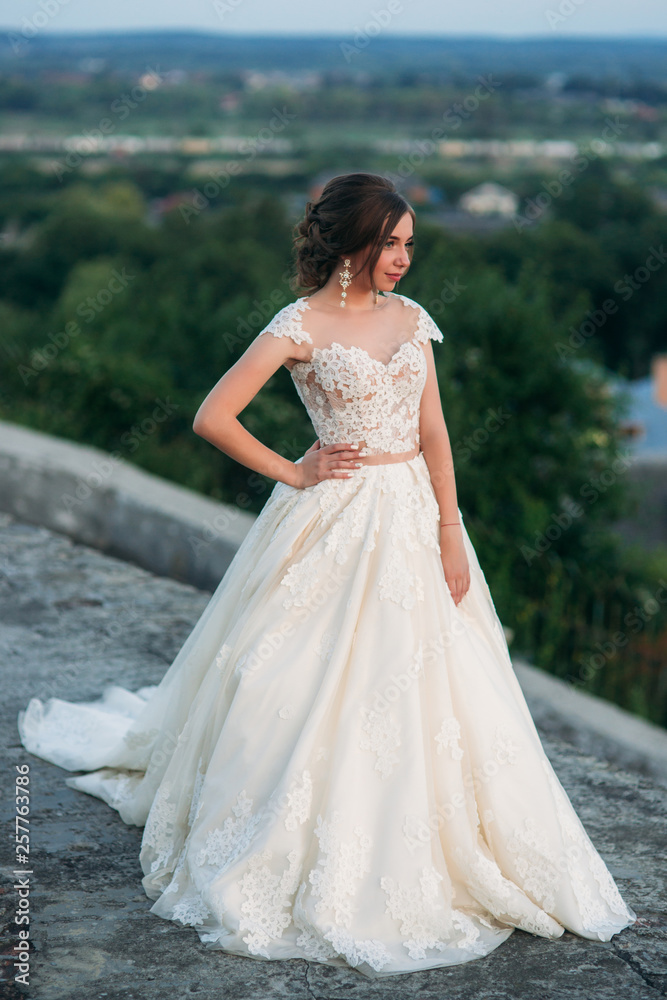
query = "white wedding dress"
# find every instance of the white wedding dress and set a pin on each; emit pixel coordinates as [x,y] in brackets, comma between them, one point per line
[340,765]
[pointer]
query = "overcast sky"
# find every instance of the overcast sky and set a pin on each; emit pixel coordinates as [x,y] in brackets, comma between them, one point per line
[506,18]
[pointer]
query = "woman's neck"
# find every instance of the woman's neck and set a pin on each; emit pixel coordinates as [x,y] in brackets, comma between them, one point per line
[362,302]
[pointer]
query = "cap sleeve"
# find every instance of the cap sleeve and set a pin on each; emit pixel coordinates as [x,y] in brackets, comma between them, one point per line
[287,323]
[427,328]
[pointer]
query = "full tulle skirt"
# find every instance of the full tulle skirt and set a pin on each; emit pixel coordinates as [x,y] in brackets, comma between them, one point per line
[340,765]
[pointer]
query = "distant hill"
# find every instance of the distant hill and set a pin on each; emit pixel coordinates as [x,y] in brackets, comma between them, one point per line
[627,61]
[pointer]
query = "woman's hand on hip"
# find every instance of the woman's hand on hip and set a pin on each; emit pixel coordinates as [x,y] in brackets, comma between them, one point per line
[333,461]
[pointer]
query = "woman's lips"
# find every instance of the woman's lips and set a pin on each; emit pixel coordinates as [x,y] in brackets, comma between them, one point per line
[394,277]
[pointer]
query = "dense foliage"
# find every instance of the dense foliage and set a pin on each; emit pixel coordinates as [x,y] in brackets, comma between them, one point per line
[114,326]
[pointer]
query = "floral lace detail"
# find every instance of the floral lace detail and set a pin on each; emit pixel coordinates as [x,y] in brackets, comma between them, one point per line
[287,323]
[535,862]
[299,798]
[350,395]
[191,909]
[301,578]
[159,832]
[320,947]
[470,939]
[427,328]
[371,535]
[355,952]
[582,859]
[314,948]
[340,864]
[268,895]
[397,584]
[224,844]
[504,747]
[326,646]
[415,518]
[353,522]
[351,514]
[448,736]
[423,920]
[503,898]
[382,738]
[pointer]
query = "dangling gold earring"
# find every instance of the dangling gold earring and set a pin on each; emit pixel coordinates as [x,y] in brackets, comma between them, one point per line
[345,280]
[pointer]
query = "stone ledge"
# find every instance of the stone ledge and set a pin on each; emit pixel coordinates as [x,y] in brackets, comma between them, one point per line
[592,725]
[117,508]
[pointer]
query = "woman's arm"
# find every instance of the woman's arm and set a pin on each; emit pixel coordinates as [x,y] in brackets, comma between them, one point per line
[437,451]
[216,419]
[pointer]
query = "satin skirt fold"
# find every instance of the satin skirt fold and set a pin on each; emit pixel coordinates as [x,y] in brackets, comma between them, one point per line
[340,765]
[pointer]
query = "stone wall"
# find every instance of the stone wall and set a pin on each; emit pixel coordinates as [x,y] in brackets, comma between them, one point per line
[117,508]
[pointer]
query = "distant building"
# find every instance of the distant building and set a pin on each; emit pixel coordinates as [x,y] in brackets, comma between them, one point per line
[489,199]
[308,80]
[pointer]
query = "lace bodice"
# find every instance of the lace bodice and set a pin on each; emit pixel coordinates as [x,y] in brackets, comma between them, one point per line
[352,396]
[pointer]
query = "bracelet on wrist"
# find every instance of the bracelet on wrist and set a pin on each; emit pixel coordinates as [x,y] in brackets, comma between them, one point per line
[448,524]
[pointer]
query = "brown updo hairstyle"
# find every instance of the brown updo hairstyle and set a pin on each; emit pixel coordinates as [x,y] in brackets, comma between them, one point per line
[354,212]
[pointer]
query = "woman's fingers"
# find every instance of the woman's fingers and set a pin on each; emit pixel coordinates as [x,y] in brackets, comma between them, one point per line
[341,449]
[459,587]
[462,588]
[342,457]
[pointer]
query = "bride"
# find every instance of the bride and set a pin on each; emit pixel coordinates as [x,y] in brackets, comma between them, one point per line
[339,765]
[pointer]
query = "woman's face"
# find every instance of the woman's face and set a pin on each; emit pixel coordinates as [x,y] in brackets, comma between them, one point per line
[394,260]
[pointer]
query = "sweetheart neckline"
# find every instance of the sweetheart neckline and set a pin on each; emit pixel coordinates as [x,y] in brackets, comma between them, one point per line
[302,303]
[355,347]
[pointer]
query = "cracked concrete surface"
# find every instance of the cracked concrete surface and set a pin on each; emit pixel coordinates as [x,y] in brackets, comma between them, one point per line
[74,620]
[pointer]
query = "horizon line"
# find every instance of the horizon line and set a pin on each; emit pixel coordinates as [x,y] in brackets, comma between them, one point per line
[426,36]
